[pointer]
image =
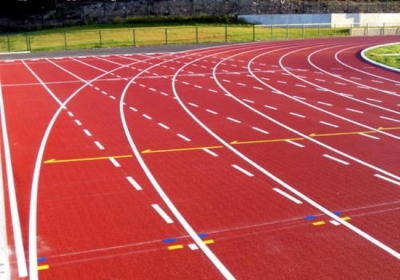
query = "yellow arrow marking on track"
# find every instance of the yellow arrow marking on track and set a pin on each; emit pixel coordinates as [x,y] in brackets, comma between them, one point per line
[84,159]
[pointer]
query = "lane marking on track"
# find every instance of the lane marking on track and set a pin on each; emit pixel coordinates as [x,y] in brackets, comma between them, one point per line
[300,85]
[336,159]
[242,170]
[288,196]
[175,247]
[369,136]
[258,88]
[297,115]
[147,117]
[115,162]
[193,105]
[295,143]
[210,152]
[233,120]
[83,159]
[133,109]
[355,111]
[99,145]
[134,183]
[324,103]
[43,267]
[163,215]
[241,84]
[87,132]
[70,114]
[211,111]
[183,137]
[387,179]
[260,130]
[212,90]
[299,97]
[329,124]
[374,100]
[389,119]
[78,122]
[163,125]
[112,97]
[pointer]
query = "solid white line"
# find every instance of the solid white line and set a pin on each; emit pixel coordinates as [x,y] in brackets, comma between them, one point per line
[389,119]
[16,224]
[260,130]
[355,111]
[387,179]
[329,124]
[183,137]
[374,100]
[297,115]
[210,152]
[369,136]
[134,183]
[336,159]
[233,120]
[87,132]
[295,143]
[78,122]
[163,215]
[147,116]
[115,162]
[98,144]
[163,125]
[288,196]
[4,249]
[211,111]
[242,170]
[270,107]
[324,103]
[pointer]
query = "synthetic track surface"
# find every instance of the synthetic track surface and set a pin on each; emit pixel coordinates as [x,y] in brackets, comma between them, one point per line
[273,160]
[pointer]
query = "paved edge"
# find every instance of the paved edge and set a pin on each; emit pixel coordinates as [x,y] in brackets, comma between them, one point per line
[377,63]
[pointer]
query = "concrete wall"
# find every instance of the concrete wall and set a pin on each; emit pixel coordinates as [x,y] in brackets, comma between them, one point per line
[332,19]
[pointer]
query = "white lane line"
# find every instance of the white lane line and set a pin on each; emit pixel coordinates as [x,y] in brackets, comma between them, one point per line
[258,88]
[212,90]
[299,85]
[297,115]
[320,80]
[152,89]
[183,137]
[194,105]
[369,136]
[355,111]
[133,109]
[374,100]
[242,170]
[233,120]
[340,83]
[241,84]
[15,220]
[134,183]
[226,81]
[198,86]
[210,152]
[270,107]
[260,130]
[387,179]
[142,85]
[112,97]
[282,82]
[211,111]
[295,143]
[389,119]
[87,132]
[147,117]
[299,97]
[288,196]
[163,215]
[163,93]
[98,144]
[336,159]
[248,100]
[163,125]
[96,88]
[329,124]
[186,83]
[103,92]
[70,114]
[4,249]
[324,103]
[78,122]
[115,162]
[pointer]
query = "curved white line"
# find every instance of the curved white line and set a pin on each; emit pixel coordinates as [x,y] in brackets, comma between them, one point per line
[377,63]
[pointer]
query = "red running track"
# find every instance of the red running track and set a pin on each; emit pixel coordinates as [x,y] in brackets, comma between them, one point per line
[273,160]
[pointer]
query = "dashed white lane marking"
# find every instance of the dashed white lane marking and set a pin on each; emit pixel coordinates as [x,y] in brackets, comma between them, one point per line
[369,136]
[163,215]
[198,86]
[320,80]
[270,107]
[163,125]
[260,130]
[98,144]
[78,122]
[152,89]
[258,88]
[248,100]
[163,93]
[282,82]
[115,162]
[299,85]
[389,119]
[112,97]
[233,120]
[70,114]
[387,179]
[340,83]
[211,111]
[374,100]
[103,92]
[329,124]
[336,159]
[295,143]
[134,183]
[324,103]
[147,117]
[355,111]
[297,115]
[133,109]
[288,196]
[183,137]
[96,88]
[210,152]
[87,132]
[226,81]
[212,90]
[186,83]
[241,84]
[142,85]
[192,104]
[242,170]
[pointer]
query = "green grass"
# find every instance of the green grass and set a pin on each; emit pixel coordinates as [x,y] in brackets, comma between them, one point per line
[388,55]
[102,36]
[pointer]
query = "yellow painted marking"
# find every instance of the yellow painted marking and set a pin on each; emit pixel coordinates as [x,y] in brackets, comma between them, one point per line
[320,223]
[209,241]
[175,247]
[389,128]
[84,159]
[346,218]
[43,267]
[149,151]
